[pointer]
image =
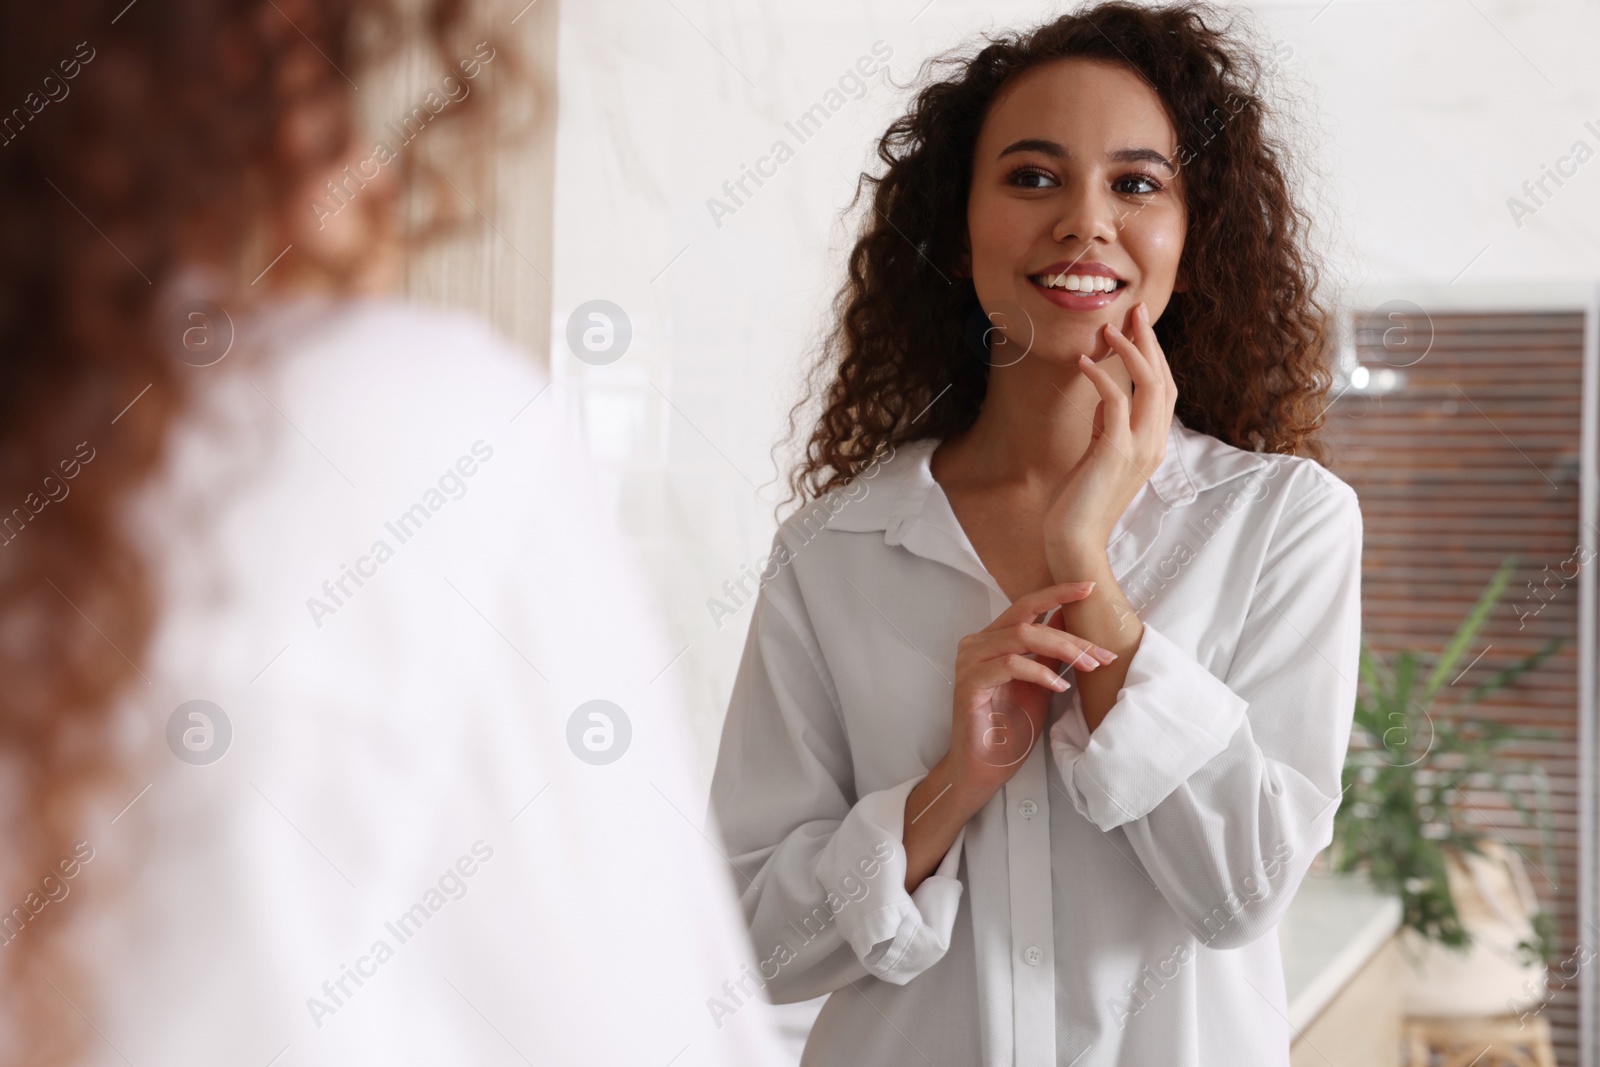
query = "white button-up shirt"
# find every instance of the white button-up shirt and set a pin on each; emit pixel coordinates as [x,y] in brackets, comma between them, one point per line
[1117,901]
[451,818]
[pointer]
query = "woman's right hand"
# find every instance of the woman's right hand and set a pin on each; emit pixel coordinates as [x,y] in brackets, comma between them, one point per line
[1002,694]
[1002,697]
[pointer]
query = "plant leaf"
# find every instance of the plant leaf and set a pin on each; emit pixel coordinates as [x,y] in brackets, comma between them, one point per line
[1515,671]
[1469,628]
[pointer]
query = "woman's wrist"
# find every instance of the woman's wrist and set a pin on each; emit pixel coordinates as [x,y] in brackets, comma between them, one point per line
[1076,561]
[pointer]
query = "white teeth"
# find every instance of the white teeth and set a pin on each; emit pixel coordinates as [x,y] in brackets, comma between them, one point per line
[1081,283]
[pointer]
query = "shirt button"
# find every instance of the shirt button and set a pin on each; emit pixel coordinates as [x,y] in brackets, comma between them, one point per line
[1032,955]
[1028,809]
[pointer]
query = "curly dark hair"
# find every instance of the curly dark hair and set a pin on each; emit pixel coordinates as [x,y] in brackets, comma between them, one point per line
[143,140]
[1245,340]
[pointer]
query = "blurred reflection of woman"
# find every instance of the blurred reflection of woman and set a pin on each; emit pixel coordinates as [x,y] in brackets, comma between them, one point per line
[298,634]
[1042,712]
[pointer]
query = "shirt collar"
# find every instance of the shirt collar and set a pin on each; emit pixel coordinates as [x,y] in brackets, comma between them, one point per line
[902,499]
[898,485]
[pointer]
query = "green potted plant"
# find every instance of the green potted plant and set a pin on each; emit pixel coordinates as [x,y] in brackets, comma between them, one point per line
[1405,820]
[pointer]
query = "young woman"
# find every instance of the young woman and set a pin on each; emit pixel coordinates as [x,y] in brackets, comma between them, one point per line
[1042,712]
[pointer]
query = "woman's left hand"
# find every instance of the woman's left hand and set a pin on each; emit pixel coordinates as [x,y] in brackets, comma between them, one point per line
[1128,443]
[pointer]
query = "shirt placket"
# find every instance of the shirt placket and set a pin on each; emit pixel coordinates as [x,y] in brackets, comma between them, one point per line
[1032,924]
[1033,981]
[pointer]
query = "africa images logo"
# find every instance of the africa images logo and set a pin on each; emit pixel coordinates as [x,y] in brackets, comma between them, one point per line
[453,482]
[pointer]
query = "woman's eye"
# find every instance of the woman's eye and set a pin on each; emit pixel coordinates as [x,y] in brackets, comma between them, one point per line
[1150,185]
[1031,178]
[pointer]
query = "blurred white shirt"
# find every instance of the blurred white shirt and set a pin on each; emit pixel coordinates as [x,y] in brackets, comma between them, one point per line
[1116,903]
[381,560]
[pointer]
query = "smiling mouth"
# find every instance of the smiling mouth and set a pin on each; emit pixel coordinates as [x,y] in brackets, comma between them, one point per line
[1081,285]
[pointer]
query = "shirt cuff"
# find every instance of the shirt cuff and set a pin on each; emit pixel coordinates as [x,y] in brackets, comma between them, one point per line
[1172,716]
[896,935]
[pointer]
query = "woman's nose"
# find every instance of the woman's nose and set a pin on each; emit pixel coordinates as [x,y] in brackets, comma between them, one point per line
[1087,212]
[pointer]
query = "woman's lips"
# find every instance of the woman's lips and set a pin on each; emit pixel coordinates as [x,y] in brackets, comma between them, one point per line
[1071,301]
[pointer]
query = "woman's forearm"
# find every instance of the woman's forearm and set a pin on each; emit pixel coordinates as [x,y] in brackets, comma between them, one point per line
[1104,617]
[936,811]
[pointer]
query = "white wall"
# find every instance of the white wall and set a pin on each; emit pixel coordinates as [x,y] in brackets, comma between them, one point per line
[1426,117]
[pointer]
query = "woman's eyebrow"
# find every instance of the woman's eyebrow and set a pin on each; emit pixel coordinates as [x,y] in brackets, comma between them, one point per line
[1034,144]
[1142,155]
[1054,150]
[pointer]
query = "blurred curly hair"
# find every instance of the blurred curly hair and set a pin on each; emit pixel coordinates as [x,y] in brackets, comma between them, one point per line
[145,139]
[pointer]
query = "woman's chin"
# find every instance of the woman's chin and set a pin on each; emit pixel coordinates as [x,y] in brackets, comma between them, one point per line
[1066,353]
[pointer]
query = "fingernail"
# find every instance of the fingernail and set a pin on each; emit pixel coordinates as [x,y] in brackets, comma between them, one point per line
[1086,585]
[1144,314]
[1104,655]
[1059,683]
[1111,326]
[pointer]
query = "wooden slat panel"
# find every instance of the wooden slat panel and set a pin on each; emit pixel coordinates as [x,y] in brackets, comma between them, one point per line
[1472,458]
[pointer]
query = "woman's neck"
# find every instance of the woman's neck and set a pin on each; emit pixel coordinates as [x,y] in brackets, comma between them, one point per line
[1034,427]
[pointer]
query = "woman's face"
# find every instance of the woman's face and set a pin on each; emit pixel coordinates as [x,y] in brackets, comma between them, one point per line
[1074,173]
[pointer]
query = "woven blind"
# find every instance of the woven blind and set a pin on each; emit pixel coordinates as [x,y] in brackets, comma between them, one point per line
[1472,455]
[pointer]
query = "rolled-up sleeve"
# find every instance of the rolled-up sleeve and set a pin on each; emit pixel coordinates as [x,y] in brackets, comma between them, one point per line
[1172,717]
[821,871]
[1226,788]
